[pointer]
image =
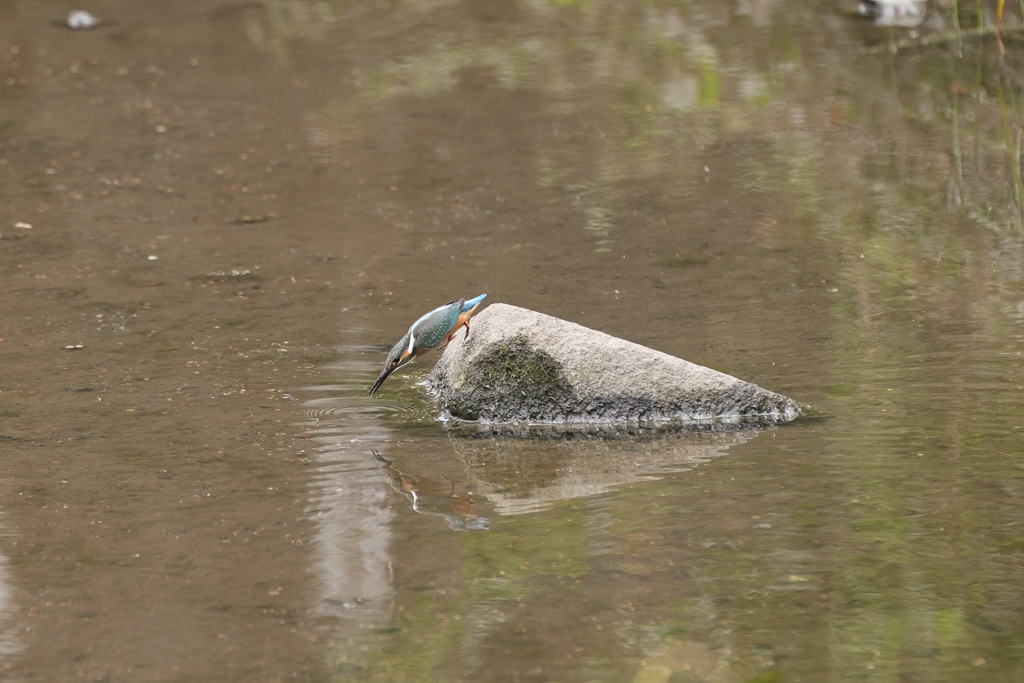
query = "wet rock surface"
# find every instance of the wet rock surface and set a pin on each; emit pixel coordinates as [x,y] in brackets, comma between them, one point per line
[520,366]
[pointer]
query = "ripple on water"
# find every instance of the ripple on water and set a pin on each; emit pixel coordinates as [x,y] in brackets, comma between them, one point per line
[340,407]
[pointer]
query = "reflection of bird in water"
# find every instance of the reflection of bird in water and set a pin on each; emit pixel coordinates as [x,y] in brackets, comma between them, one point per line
[435,329]
[906,13]
[432,498]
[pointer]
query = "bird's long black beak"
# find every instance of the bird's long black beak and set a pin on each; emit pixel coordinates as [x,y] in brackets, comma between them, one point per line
[388,369]
[380,378]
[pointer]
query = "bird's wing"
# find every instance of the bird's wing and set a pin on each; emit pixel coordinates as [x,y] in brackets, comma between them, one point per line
[433,328]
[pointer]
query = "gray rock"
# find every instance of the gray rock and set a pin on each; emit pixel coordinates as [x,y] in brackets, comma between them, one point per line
[520,366]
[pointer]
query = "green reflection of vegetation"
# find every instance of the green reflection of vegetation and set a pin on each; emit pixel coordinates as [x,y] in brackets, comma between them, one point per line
[440,636]
[273,24]
[663,75]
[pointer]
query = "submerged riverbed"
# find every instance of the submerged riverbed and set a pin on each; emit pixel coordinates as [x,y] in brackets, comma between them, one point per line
[217,217]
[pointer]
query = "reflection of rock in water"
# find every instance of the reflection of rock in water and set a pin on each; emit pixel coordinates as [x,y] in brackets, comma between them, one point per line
[349,507]
[519,476]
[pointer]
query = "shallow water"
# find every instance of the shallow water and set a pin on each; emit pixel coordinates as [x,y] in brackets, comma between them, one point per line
[217,218]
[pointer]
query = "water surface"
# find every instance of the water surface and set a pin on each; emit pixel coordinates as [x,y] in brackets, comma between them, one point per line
[217,218]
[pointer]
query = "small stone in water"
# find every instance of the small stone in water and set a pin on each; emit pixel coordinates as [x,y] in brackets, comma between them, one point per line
[82,19]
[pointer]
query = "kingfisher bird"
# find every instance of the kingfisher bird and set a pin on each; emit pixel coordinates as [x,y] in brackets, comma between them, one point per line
[433,330]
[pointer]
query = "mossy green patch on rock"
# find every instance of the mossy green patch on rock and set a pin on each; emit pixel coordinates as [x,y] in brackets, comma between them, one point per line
[521,368]
[511,377]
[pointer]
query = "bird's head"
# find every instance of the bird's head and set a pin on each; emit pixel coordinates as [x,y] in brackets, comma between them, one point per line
[400,354]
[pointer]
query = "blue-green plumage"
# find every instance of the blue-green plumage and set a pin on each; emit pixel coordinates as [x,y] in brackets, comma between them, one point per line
[434,329]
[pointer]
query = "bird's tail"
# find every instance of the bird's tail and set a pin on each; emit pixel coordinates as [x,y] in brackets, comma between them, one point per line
[470,304]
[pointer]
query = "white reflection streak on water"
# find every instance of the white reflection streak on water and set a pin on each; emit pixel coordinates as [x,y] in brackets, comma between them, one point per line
[349,508]
[10,642]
